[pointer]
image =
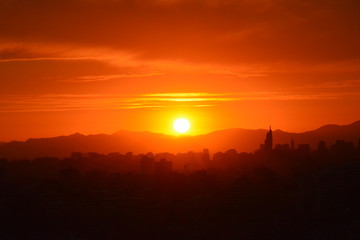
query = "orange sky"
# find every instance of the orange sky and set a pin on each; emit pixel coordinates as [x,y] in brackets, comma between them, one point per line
[99,66]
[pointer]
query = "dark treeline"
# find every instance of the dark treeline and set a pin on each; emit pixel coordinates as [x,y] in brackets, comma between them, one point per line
[285,192]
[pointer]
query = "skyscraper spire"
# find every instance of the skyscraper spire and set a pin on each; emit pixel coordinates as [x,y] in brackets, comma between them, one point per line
[269,140]
[268,144]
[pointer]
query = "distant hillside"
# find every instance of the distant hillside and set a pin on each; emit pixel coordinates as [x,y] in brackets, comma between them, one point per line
[242,140]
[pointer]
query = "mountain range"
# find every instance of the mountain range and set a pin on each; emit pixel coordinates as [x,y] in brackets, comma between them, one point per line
[243,140]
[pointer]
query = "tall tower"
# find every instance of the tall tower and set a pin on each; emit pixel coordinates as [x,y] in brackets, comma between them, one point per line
[268,141]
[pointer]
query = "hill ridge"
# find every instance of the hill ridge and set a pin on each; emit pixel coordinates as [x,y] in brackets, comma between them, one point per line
[243,140]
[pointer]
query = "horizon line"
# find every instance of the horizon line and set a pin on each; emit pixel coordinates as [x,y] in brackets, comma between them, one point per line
[172,135]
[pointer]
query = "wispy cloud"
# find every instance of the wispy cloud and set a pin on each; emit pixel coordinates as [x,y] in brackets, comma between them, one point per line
[80,102]
[334,84]
[241,74]
[186,97]
[227,97]
[101,78]
[180,95]
[34,59]
[221,37]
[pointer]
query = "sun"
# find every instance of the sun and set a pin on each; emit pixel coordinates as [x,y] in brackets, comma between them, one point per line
[181,125]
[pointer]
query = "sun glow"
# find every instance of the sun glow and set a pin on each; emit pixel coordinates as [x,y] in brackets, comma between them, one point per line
[181,125]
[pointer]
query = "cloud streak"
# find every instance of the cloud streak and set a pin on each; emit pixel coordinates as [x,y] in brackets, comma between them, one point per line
[225,32]
[334,85]
[82,102]
[102,78]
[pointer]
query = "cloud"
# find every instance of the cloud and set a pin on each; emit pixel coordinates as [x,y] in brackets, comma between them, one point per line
[184,95]
[241,74]
[83,102]
[40,59]
[225,32]
[334,85]
[101,78]
[153,43]
[58,73]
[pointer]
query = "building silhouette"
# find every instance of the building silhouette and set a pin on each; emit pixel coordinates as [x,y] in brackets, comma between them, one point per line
[304,149]
[268,144]
[292,144]
[147,165]
[322,147]
[163,167]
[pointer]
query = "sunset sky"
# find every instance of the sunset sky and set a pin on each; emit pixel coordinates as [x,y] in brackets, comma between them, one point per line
[99,66]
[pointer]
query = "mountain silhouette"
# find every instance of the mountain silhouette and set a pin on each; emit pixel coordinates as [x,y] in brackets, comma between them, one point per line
[243,140]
